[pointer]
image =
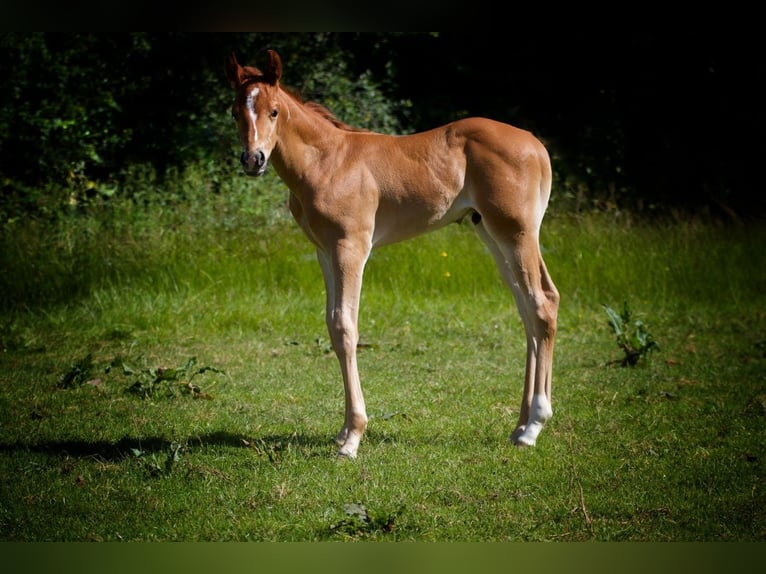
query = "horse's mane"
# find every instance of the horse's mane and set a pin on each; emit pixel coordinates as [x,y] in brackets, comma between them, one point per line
[322,112]
[254,74]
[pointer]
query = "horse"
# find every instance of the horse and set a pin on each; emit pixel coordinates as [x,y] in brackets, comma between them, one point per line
[353,190]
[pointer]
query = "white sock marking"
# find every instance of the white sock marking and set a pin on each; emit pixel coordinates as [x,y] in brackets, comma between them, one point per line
[540,412]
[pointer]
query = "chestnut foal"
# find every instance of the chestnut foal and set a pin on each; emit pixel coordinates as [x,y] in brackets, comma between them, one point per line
[352,190]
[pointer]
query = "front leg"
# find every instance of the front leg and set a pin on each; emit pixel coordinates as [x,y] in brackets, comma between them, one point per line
[342,270]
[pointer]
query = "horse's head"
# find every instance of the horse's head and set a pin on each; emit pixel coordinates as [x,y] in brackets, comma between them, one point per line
[256,109]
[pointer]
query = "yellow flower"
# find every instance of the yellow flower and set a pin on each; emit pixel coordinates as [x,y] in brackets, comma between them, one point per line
[443,254]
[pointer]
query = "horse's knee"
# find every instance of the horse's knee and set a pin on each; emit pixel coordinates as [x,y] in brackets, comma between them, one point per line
[549,300]
[343,334]
[546,313]
[553,297]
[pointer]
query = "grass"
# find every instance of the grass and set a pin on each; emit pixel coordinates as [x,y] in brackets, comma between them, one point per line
[671,449]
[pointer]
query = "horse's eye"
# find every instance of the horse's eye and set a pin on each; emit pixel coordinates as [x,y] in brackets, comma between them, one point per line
[274,113]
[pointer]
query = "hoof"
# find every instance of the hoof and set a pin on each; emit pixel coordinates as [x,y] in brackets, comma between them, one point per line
[527,435]
[348,441]
[340,438]
[344,454]
[522,442]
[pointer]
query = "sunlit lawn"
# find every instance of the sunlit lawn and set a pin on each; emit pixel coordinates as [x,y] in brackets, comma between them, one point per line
[239,445]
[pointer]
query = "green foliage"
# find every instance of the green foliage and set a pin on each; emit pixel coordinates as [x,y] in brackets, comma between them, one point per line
[147,382]
[84,113]
[155,463]
[359,522]
[61,111]
[78,374]
[150,381]
[631,335]
[357,100]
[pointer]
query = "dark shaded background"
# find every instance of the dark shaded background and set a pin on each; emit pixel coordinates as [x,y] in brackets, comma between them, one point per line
[644,116]
[672,115]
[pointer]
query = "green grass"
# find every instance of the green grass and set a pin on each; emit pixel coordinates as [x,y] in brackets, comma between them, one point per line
[671,449]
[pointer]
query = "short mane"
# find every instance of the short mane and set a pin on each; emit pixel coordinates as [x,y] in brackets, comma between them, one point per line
[255,75]
[322,112]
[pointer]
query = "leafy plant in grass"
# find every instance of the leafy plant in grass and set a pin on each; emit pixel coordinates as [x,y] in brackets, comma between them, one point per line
[631,334]
[150,380]
[79,373]
[154,464]
[359,521]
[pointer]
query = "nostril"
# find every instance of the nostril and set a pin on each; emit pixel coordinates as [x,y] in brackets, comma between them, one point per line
[253,160]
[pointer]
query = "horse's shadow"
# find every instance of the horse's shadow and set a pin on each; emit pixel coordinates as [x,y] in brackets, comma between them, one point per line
[126,447]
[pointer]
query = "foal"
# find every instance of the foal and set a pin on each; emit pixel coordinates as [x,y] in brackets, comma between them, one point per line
[353,190]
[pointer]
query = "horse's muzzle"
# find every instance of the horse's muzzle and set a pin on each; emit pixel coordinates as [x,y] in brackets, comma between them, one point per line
[254,163]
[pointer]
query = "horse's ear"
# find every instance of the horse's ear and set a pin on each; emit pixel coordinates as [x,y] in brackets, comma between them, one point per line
[273,68]
[234,71]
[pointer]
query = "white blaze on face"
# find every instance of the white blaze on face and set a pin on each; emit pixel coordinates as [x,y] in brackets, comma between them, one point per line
[250,104]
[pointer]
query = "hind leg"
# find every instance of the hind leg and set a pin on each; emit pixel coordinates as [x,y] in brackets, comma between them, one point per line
[518,259]
[540,323]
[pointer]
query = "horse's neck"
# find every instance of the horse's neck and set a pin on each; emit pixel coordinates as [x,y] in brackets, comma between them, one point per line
[303,139]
